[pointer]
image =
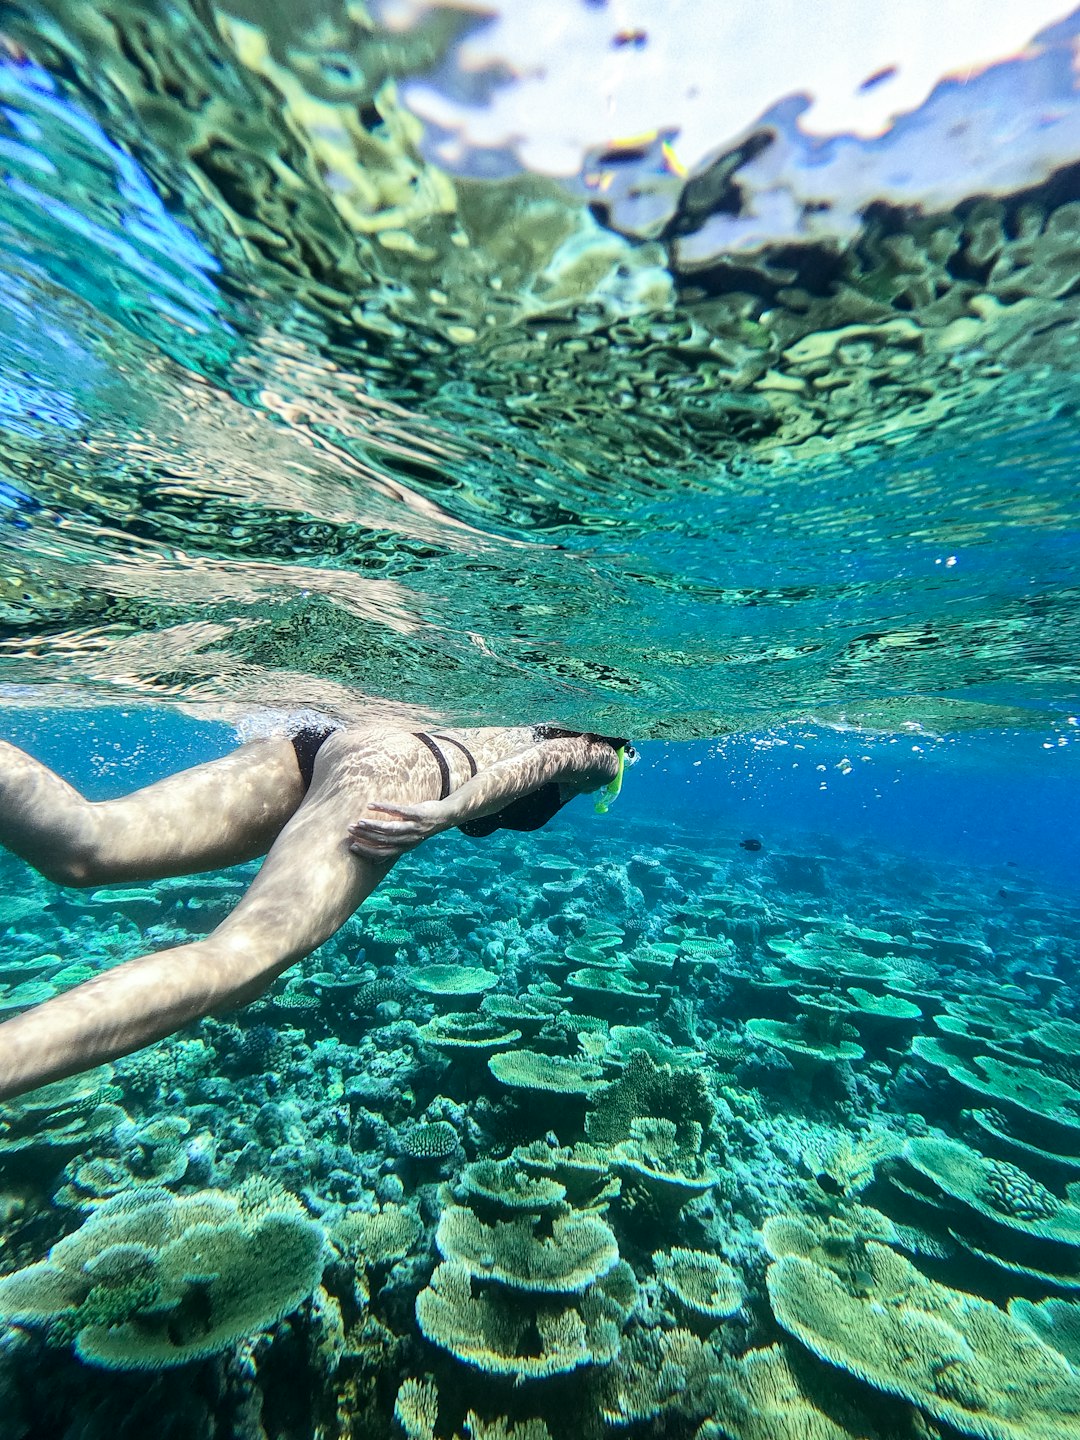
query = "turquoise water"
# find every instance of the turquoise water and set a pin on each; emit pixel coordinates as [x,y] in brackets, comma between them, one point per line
[350,366]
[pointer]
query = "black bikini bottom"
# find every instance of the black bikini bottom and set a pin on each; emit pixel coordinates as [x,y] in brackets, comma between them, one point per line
[307,743]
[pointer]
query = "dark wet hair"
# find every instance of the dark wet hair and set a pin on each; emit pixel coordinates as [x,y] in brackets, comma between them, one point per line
[530,812]
[554,732]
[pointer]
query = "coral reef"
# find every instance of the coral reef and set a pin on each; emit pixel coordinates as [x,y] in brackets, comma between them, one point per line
[152,1280]
[821,1186]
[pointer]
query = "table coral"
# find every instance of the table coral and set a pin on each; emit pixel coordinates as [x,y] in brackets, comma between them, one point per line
[152,1280]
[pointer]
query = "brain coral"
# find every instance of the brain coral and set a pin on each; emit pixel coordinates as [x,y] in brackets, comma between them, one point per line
[153,1280]
[957,1357]
[994,1189]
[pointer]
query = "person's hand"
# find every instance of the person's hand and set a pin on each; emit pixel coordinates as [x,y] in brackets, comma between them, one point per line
[384,832]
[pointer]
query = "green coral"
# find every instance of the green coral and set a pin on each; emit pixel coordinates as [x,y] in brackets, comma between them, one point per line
[584,1170]
[154,1280]
[503,1429]
[460,1035]
[497,1334]
[835,1241]
[623,1040]
[884,1009]
[994,1189]
[505,1185]
[608,992]
[1055,1322]
[526,1013]
[45,1127]
[706,1285]
[761,1396]
[562,1258]
[416,1408]
[661,1374]
[653,1160]
[454,982]
[1002,1129]
[1051,1102]
[806,1048]
[431,1140]
[550,1074]
[377,1237]
[648,1089]
[957,1357]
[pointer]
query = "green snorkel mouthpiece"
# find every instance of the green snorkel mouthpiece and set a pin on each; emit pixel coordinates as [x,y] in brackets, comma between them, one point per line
[611,791]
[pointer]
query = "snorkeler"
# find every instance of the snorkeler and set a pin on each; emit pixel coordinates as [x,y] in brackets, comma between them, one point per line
[332,810]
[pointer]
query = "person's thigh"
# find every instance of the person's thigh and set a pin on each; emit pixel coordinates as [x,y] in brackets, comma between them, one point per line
[205,818]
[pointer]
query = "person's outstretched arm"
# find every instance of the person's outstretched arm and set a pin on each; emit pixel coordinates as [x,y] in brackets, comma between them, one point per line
[308,887]
[386,830]
[204,818]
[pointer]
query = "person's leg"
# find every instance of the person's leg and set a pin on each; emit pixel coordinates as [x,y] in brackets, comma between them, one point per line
[205,818]
[309,886]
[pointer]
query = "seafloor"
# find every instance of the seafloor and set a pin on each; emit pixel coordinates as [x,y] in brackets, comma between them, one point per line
[553,1140]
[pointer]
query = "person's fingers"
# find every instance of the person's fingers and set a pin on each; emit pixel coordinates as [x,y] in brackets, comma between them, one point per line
[378,852]
[407,823]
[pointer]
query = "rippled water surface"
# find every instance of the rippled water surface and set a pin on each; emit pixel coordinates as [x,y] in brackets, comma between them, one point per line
[315,391]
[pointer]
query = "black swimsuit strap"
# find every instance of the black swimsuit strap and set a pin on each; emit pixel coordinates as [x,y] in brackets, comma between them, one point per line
[440,760]
[459,746]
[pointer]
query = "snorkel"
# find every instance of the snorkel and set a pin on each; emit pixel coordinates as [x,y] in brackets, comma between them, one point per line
[610,792]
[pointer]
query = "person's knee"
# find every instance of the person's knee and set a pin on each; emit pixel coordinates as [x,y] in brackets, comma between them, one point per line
[76,859]
[74,868]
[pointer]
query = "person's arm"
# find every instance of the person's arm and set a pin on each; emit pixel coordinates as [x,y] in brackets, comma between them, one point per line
[308,887]
[384,831]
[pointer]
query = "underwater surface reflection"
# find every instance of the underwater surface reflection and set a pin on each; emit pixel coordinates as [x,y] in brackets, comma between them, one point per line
[305,403]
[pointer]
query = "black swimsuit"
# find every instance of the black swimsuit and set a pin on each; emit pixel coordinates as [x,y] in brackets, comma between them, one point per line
[307,743]
[528,812]
[440,758]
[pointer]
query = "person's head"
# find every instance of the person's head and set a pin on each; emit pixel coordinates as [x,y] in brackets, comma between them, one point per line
[586,787]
